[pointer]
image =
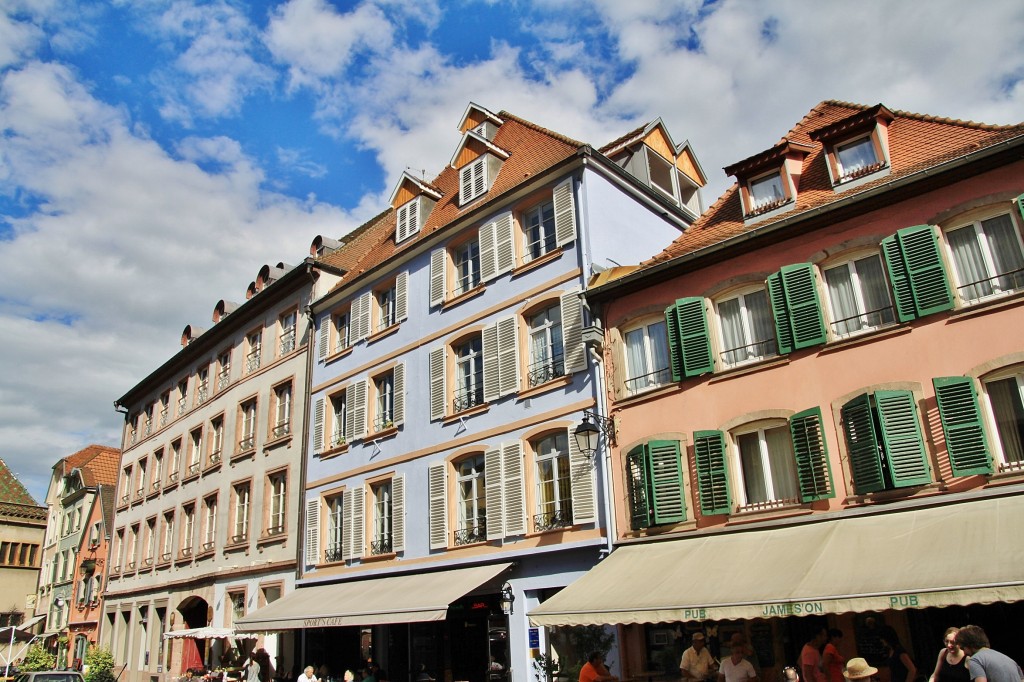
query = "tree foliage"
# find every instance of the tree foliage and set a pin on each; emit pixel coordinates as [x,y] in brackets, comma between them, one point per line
[101,664]
[38,658]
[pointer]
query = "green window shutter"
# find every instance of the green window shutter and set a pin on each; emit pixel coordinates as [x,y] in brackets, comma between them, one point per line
[901,436]
[665,477]
[906,310]
[781,314]
[1020,205]
[636,483]
[712,474]
[813,470]
[925,269]
[961,423]
[862,445]
[801,290]
[675,350]
[691,325]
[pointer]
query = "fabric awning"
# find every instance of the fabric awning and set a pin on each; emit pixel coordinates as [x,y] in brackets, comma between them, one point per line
[30,622]
[408,598]
[955,554]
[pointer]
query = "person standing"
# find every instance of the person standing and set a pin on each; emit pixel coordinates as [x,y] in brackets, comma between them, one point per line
[901,666]
[737,668]
[252,669]
[831,660]
[308,675]
[810,657]
[951,665]
[697,663]
[986,665]
[594,671]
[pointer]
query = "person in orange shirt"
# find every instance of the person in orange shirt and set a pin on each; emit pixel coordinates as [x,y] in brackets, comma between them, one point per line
[594,671]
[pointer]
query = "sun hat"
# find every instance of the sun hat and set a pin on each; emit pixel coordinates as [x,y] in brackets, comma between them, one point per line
[698,635]
[858,669]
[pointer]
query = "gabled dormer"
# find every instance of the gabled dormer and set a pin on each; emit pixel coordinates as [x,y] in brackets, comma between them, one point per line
[481,121]
[769,181]
[857,146]
[478,161]
[413,200]
[649,154]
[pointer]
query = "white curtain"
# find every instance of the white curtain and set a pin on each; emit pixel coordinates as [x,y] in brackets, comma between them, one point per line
[732,331]
[875,291]
[782,462]
[635,365]
[761,325]
[843,300]
[658,338]
[753,467]
[1005,250]
[1009,414]
[970,263]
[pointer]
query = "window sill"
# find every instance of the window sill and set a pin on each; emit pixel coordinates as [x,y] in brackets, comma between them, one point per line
[471,412]
[275,539]
[550,385]
[335,451]
[879,334]
[153,493]
[338,355]
[383,333]
[989,305]
[463,297]
[749,368]
[170,485]
[775,513]
[389,432]
[893,495]
[251,452]
[386,556]
[280,440]
[206,553]
[648,394]
[183,560]
[237,546]
[163,564]
[215,466]
[1005,477]
[552,255]
[190,477]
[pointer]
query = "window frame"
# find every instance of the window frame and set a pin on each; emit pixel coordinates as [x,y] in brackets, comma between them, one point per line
[754,208]
[335,526]
[253,350]
[281,399]
[863,316]
[746,320]
[248,414]
[991,419]
[224,369]
[552,365]
[287,334]
[382,518]
[467,389]
[209,522]
[765,456]
[976,220]
[187,530]
[195,452]
[560,514]
[216,441]
[276,502]
[662,376]
[241,512]
[470,530]
[546,229]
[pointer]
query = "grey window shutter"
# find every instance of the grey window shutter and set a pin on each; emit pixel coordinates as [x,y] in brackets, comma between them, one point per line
[318,424]
[355,400]
[572,333]
[437,263]
[492,388]
[581,469]
[437,514]
[312,532]
[358,535]
[361,317]
[504,243]
[494,480]
[398,513]
[346,525]
[402,296]
[565,213]
[325,337]
[399,388]
[514,488]
[508,356]
[488,237]
[437,383]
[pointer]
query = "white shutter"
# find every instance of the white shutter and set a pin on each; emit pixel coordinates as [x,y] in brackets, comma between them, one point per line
[565,213]
[361,316]
[402,296]
[325,336]
[437,272]
[515,488]
[357,538]
[437,383]
[466,183]
[312,532]
[398,416]
[492,388]
[480,176]
[398,513]
[412,223]
[494,480]
[438,505]
[355,401]
[318,424]
[508,355]
[581,472]
[572,333]
[346,526]
[488,238]
[504,243]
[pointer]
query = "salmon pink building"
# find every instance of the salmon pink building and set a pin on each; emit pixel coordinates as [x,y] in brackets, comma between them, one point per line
[817,402]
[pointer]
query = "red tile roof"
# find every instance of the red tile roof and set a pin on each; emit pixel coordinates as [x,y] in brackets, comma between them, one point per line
[12,492]
[916,142]
[98,464]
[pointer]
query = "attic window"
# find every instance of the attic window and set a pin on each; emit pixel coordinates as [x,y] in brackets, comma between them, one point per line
[473,179]
[408,220]
[855,159]
[766,193]
[661,173]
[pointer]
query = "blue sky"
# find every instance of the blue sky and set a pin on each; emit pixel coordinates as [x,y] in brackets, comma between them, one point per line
[156,153]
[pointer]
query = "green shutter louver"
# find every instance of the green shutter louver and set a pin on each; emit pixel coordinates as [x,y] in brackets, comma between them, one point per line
[862,445]
[712,473]
[665,477]
[917,272]
[806,320]
[1019,201]
[814,473]
[901,436]
[636,483]
[675,349]
[690,326]
[961,423]
[780,313]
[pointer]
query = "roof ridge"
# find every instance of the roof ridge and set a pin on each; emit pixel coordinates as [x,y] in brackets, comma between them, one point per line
[632,133]
[541,129]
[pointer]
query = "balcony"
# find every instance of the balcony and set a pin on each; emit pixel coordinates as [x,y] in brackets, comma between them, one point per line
[202,393]
[208,546]
[474,531]
[193,469]
[172,477]
[139,493]
[215,457]
[383,422]
[338,439]
[1001,284]
[185,552]
[555,518]
[165,416]
[148,428]
[239,538]
[468,396]
[282,429]
[166,556]
[332,553]
[643,382]
[247,443]
[155,485]
[223,379]
[275,530]
[546,369]
[287,341]
[252,362]
[182,405]
[381,544]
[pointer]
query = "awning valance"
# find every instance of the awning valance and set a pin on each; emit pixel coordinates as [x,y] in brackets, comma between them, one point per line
[959,553]
[408,598]
[208,633]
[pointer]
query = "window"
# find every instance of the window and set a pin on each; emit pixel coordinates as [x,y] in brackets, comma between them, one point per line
[209,523]
[157,474]
[140,470]
[182,396]
[126,485]
[660,172]
[1006,398]
[856,158]
[473,179]
[407,220]
[167,544]
[237,601]
[384,405]
[646,357]
[554,484]
[858,296]
[117,553]
[766,192]
[147,420]
[130,550]
[339,420]
[883,441]
[385,300]
[987,257]
[469,374]
[277,489]
[150,541]
[286,341]
[466,259]
[224,370]
[654,481]
[247,425]
[342,327]
[381,540]
[472,501]
[748,333]
[335,528]
[202,385]
[282,410]
[539,230]
[240,512]
[174,463]
[775,465]
[188,524]
[165,408]
[254,351]
[195,451]
[216,439]
[547,359]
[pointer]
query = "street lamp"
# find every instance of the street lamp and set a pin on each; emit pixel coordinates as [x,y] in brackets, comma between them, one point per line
[507,599]
[588,433]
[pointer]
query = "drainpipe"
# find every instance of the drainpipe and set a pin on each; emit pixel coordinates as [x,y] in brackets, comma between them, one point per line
[599,409]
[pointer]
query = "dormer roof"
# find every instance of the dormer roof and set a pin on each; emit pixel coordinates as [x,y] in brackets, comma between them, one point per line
[851,124]
[470,138]
[415,186]
[475,115]
[769,157]
[685,158]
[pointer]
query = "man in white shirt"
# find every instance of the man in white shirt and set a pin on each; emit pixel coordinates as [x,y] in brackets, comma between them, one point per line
[308,675]
[736,668]
[697,663]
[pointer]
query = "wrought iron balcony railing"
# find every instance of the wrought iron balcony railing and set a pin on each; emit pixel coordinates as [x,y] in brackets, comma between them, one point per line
[474,531]
[546,369]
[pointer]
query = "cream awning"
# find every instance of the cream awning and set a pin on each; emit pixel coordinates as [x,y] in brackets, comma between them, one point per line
[409,598]
[954,554]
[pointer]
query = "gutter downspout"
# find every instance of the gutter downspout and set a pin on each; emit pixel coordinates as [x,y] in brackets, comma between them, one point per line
[300,547]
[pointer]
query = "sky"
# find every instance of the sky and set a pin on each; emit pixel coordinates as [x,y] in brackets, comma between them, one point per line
[155,154]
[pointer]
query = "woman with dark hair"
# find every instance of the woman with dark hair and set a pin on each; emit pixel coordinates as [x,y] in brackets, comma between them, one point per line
[831,660]
[901,666]
[951,665]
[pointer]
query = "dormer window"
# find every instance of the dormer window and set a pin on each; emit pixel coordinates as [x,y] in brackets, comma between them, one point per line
[855,146]
[766,192]
[770,180]
[478,161]
[413,200]
[408,220]
[855,157]
[473,180]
